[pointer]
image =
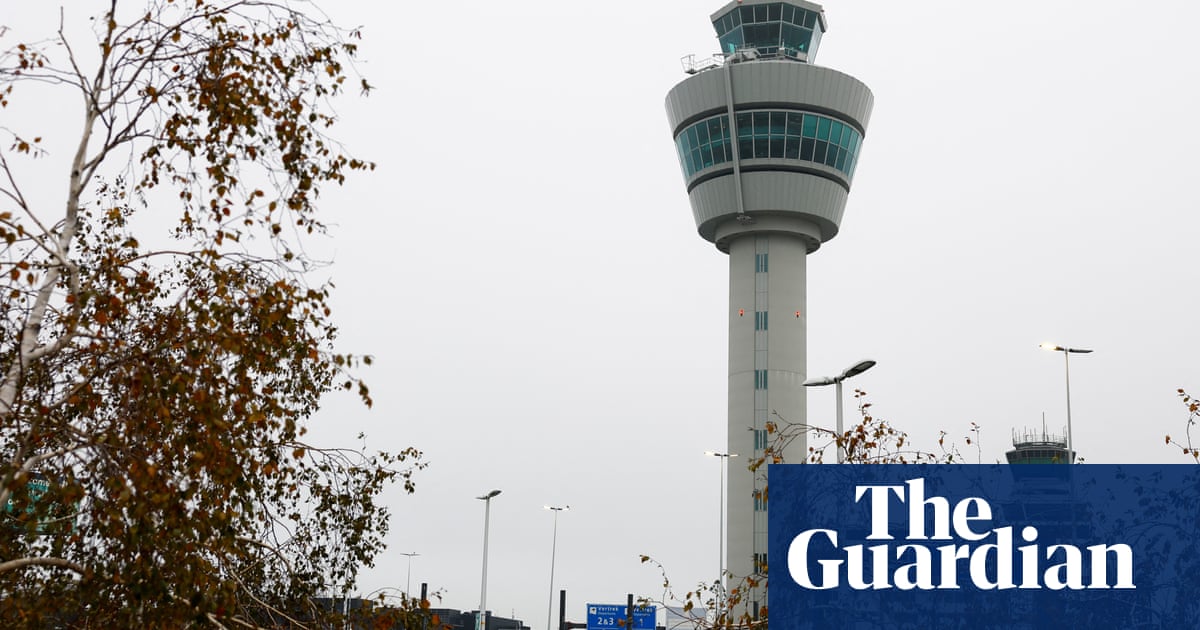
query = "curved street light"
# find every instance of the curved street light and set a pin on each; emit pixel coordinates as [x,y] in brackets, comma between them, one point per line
[850,372]
[724,457]
[408,582]
[553,549]
[481,618]
[1067,352]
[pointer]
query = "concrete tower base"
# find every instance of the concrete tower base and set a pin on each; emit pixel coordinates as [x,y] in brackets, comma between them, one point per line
[767,350]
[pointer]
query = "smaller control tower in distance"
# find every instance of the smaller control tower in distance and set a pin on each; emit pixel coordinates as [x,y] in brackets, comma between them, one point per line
[1031,447]
[768,143]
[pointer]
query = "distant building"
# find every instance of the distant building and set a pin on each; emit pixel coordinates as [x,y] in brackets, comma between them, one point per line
[680,619]
[465,620]
[367,613]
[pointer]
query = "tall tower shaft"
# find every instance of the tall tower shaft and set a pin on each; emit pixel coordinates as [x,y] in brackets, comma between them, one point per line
[768,143]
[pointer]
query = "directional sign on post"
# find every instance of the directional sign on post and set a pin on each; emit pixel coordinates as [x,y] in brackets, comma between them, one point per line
[612,617]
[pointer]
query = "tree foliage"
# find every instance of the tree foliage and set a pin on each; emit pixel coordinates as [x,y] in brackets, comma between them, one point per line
[1186,446]
[155,381]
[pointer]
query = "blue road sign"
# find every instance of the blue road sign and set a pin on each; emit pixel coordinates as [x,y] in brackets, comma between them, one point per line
[612,617]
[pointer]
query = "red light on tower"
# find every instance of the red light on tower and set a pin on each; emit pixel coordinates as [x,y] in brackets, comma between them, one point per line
[741,311]
[797,313]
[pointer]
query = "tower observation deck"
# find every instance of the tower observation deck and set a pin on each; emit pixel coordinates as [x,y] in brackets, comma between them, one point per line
[768,143]
[1031,447]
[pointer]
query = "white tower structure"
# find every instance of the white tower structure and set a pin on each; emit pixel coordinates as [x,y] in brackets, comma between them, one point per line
[768,143]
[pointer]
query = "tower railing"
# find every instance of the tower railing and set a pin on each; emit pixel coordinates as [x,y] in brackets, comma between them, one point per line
[1038,438]
[692,65]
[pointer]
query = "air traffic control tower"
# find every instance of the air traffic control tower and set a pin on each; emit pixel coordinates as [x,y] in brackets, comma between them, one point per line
[768,143]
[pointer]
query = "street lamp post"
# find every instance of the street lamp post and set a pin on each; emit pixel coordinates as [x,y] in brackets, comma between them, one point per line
[853,370]
[408,582]
[1067,352]
[553,549]
[724,461]
[481,619]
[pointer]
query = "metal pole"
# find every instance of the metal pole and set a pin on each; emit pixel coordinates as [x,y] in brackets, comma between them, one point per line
[723,461]
[1067,365]
[562,609]
[424,597]
[408,582]
[1070,442]
[553,550]
[481,619]
[841,454]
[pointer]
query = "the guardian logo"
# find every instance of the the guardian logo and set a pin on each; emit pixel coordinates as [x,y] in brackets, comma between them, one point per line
[974,553]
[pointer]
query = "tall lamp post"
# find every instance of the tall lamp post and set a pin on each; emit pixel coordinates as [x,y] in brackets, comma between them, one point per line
[853,370]
[1067,352]
[408,582]
[553,548]
[481,619]
[724,461]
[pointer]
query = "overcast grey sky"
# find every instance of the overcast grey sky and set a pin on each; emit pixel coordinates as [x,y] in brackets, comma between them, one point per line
[546,321]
